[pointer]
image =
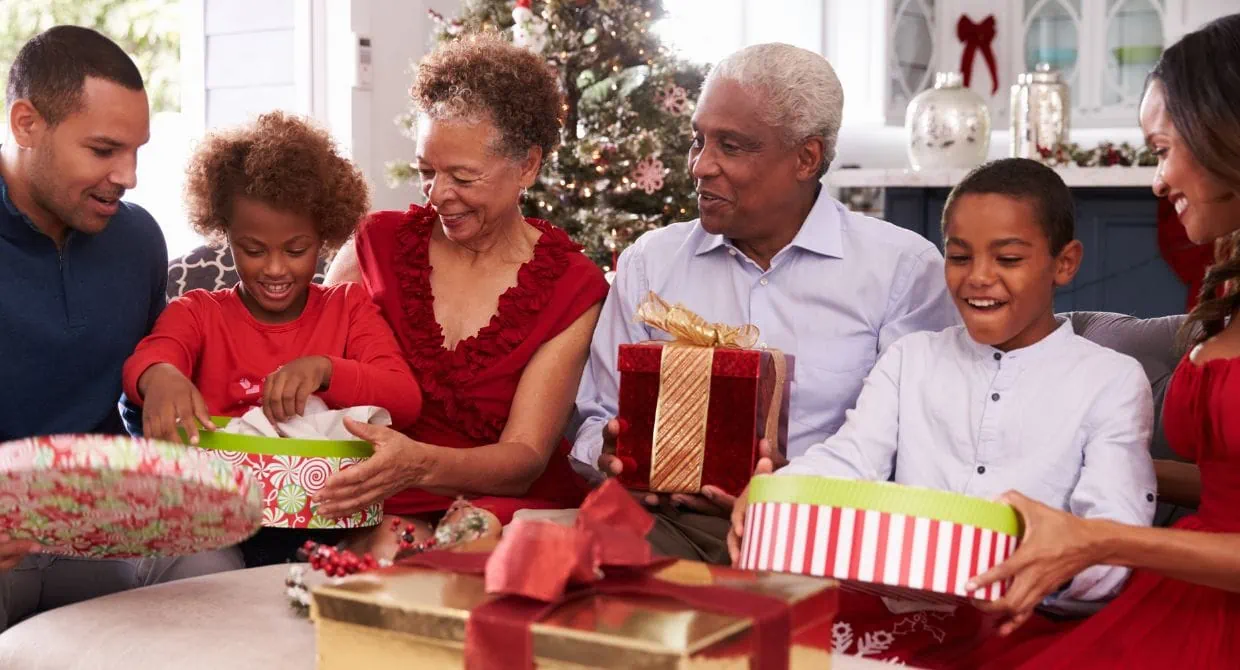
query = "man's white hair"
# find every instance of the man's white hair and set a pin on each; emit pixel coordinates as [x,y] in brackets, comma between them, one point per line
[802,96]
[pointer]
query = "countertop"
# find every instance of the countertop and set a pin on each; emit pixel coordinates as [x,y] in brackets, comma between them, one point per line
[1074,177]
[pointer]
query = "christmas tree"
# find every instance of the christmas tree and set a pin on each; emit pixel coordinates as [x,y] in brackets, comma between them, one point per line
[621,168]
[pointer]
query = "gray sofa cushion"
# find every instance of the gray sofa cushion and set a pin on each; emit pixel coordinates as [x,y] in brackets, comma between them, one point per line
[1153,342]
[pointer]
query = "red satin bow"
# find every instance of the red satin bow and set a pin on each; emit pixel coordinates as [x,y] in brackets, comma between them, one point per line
[978,36]
[540,565]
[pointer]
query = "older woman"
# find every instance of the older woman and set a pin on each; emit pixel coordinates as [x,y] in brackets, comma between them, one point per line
[494,311]
[1181,607]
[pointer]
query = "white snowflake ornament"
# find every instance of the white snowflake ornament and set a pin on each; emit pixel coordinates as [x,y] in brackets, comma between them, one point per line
[528,31]
[648,174]
[672,99]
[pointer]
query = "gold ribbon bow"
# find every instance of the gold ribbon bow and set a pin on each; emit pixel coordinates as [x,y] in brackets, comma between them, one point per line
[679,446]
[687,327]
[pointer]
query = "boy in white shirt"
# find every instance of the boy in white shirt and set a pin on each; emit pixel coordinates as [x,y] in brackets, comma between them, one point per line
[1013,399]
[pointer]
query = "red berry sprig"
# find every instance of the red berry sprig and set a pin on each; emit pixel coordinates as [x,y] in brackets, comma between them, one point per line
[336,562]
[406,544]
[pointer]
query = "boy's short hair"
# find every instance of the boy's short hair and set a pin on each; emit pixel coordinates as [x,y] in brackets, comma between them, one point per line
[1023,179]
[51,70]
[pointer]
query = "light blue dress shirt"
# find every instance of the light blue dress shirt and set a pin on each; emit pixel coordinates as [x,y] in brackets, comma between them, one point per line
[845,288]
[1064,421]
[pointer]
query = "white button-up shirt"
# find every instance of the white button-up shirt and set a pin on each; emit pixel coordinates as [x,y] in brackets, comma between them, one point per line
[845,288]
[1064,421]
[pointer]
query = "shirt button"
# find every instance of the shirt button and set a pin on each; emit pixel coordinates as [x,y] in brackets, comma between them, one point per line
[994,396]
[763,281]
[981,469]
[732,252]
[1149,497]
[998,355]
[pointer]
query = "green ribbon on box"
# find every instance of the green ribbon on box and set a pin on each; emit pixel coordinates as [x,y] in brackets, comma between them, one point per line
[281,446]
[886,497]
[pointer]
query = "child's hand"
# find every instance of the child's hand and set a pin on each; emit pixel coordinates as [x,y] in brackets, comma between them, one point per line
[740,508]
[169,400]
[286,389]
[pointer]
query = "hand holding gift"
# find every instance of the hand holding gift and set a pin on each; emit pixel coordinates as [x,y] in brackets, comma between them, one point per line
[693,412]
[13,551]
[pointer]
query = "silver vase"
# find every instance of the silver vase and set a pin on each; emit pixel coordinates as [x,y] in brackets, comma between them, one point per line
[1041,112]
[948,125]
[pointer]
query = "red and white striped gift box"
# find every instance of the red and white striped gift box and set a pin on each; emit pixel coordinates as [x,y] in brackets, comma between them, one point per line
[883,538]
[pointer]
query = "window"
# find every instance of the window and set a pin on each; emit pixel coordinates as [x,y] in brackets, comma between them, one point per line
[705,31]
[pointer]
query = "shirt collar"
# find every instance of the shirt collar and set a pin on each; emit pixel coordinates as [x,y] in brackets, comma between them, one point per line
[821,233]
[1043,346]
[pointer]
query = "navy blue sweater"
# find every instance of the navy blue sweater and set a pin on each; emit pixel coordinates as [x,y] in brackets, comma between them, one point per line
[70,317]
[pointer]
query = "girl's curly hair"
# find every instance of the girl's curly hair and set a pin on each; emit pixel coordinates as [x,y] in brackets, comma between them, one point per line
[284,162]
[484,77]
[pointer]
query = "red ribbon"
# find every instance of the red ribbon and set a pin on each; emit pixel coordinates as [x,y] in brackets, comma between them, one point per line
[978,36]
[539,566]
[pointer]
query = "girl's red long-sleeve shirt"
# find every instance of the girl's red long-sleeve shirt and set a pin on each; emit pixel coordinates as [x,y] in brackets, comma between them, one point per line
[214,340]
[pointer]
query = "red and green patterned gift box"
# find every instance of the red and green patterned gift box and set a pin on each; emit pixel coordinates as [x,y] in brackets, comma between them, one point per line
[693,410]
[290,472]
[104,496]
[900,541]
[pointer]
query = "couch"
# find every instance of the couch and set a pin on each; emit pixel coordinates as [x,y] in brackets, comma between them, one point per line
[240,620]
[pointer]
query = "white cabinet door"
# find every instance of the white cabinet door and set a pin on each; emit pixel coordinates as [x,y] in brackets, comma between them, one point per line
[1125,39]
[1185,16]
[912,45]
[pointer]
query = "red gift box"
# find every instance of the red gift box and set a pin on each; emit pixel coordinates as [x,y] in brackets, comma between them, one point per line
[692,415]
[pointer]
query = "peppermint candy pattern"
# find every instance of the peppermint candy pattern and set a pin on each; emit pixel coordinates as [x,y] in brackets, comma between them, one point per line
[288,483]
[116,497]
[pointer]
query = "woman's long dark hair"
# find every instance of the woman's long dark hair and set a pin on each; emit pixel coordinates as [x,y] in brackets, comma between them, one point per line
[1200,76]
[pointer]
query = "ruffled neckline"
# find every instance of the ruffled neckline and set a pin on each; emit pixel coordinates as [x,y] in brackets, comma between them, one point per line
[444,373]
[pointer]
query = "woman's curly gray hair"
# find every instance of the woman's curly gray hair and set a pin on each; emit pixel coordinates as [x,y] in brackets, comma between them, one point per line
[803,96]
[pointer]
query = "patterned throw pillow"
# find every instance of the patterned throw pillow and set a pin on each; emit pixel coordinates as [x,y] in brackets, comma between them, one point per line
[212,268]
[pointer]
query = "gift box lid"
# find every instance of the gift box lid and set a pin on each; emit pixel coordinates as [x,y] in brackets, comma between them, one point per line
[594,630]
[886,497]
[281,446]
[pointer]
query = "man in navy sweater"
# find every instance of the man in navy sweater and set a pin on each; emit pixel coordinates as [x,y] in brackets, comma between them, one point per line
[82,279]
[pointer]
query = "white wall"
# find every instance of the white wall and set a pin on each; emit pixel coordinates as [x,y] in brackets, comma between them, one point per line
[364,119]
[249,59]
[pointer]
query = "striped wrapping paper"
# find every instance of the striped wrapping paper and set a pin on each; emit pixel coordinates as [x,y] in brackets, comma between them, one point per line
[882,538]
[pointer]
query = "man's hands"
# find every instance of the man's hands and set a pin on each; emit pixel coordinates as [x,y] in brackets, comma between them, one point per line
[13,551]
[712,500]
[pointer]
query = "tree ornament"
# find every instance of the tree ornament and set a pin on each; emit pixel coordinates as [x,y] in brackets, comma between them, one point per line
[672,99]
[648,174]
[528,30]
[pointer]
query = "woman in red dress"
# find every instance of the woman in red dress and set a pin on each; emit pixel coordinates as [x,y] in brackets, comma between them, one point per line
[1181,607]
[494,311]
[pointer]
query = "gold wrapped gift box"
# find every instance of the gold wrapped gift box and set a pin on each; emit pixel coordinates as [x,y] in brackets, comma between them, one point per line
[405,617]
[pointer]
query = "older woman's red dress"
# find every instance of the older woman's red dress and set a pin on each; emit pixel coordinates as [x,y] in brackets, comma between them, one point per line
[468,391]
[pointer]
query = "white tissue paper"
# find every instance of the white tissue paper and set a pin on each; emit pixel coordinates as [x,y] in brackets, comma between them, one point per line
[317,423]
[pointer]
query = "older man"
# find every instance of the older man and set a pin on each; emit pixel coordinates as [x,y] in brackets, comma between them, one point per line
[771,248]
[82,276]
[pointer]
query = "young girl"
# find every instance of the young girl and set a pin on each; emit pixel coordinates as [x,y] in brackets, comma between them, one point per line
[280,196]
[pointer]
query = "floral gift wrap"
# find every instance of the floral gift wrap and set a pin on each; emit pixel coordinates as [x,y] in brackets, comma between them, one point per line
[290,472]
[102,496]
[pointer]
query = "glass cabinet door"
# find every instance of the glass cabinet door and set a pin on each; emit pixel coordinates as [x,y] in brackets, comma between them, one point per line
[1053,36]
[1134,41]
[911,53]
